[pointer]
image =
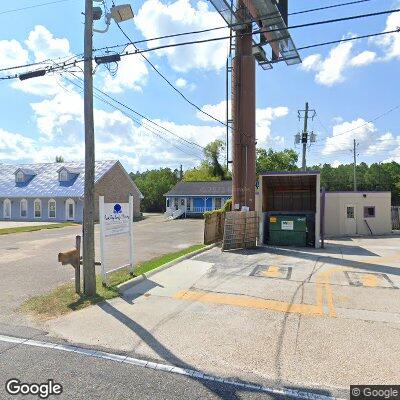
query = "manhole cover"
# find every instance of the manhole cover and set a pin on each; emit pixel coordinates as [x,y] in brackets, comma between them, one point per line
[369,279]
[12,248]
[272,271]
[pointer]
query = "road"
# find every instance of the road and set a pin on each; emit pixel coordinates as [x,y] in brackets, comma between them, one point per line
[86,377]
[29,265]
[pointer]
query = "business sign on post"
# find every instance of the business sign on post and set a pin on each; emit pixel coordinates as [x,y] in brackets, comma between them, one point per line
[115,219]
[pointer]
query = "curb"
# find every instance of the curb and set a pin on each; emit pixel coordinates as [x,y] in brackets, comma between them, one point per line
[137,279]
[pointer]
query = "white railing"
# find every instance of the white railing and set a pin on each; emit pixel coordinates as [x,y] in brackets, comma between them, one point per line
[199,210]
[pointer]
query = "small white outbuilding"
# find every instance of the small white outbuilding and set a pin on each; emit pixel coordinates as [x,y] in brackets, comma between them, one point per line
[356,213]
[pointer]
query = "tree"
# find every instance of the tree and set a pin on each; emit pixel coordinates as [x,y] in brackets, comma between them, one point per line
[203,172]
[270,160]
[153,184]
[210,168]
[60,159]
[212,153]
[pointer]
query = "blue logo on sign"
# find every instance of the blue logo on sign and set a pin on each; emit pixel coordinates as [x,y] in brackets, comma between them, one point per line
[117,209]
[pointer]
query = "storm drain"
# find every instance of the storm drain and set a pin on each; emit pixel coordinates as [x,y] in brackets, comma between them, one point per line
[272,271]
[368,279]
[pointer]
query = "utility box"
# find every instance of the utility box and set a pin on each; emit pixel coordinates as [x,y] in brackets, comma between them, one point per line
[288,230]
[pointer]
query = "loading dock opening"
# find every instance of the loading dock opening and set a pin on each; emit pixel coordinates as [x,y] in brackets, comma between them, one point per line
[290,208]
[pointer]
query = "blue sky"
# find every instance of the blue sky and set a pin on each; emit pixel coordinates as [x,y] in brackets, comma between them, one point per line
[348,85]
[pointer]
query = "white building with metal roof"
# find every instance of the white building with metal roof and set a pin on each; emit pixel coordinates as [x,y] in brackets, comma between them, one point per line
[55,191]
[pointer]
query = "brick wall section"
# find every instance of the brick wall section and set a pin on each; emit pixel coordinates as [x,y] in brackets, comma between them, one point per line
[116,186]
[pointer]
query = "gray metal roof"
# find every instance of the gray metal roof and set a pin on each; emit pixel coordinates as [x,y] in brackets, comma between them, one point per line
[218,188]
[45,183]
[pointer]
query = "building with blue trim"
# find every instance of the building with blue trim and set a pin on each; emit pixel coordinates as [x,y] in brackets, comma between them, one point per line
[54,192]
[194,198]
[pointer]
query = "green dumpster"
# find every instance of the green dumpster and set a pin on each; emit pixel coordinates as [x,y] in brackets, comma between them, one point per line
[288,230]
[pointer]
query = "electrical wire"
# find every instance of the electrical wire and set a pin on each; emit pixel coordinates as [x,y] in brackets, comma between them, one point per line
[250,20]
[138,51]
[140,123]
[170,83]
[34,6]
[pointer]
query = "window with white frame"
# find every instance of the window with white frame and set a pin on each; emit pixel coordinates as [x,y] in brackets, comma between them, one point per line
[52,208]
[7,209]
[37,206]
[63,175]
[19,177]
[23,208]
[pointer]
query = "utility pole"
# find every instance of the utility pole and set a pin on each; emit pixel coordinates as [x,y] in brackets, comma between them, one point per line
[244,118]
[304,139]
[181,173]
[305,134]
[355,164]
[89,272]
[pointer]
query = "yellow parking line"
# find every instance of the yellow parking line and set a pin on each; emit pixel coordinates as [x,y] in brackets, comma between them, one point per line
[369,280]
[249,302]
[272,272]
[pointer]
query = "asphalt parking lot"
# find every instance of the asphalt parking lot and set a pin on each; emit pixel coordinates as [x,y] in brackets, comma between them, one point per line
[313,318]
[29,265]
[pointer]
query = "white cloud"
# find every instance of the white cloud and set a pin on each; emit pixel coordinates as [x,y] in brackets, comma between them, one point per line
[12,53]
[183,83]
[44,45]
[384,143]
[390,43]
[14,145]
[344,133]
[132,74]
[364,58]
[331,70]
[312,62]
[156,19]
[264,118]
[336,163]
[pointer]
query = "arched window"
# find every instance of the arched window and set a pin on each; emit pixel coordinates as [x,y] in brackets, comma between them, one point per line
[63,175]
[52,208]
[23,208]
[70,210]
[7,209]
[19,177]
[37,206]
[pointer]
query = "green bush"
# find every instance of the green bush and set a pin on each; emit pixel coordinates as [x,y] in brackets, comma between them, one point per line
[228,206]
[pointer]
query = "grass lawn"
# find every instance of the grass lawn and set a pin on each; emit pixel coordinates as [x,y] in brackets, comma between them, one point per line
[63,299]
[19,229]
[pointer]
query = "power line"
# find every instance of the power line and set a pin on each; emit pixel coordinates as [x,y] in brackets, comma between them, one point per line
[328,7]
[370,121]
[138,51]
[75,62]
[34,6]
[156,133]
[261,18]
[141,115]
[170,83]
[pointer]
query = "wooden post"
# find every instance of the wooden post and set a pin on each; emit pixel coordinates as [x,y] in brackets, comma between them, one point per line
[77,265]
[73,257]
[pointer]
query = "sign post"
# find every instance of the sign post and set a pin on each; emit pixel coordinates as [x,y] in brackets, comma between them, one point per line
[115,219]
[131,252]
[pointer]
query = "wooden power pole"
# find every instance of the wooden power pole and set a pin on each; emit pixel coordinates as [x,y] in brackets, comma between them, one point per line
[355,164]
[244,120]
[89,272]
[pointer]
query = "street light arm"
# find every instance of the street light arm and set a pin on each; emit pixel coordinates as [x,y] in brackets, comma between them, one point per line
[108,22]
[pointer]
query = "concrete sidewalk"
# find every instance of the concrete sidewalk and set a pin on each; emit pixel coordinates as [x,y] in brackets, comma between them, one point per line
[311,318]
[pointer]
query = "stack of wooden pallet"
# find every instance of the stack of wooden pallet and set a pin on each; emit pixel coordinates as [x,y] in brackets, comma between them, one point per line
[241,230]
